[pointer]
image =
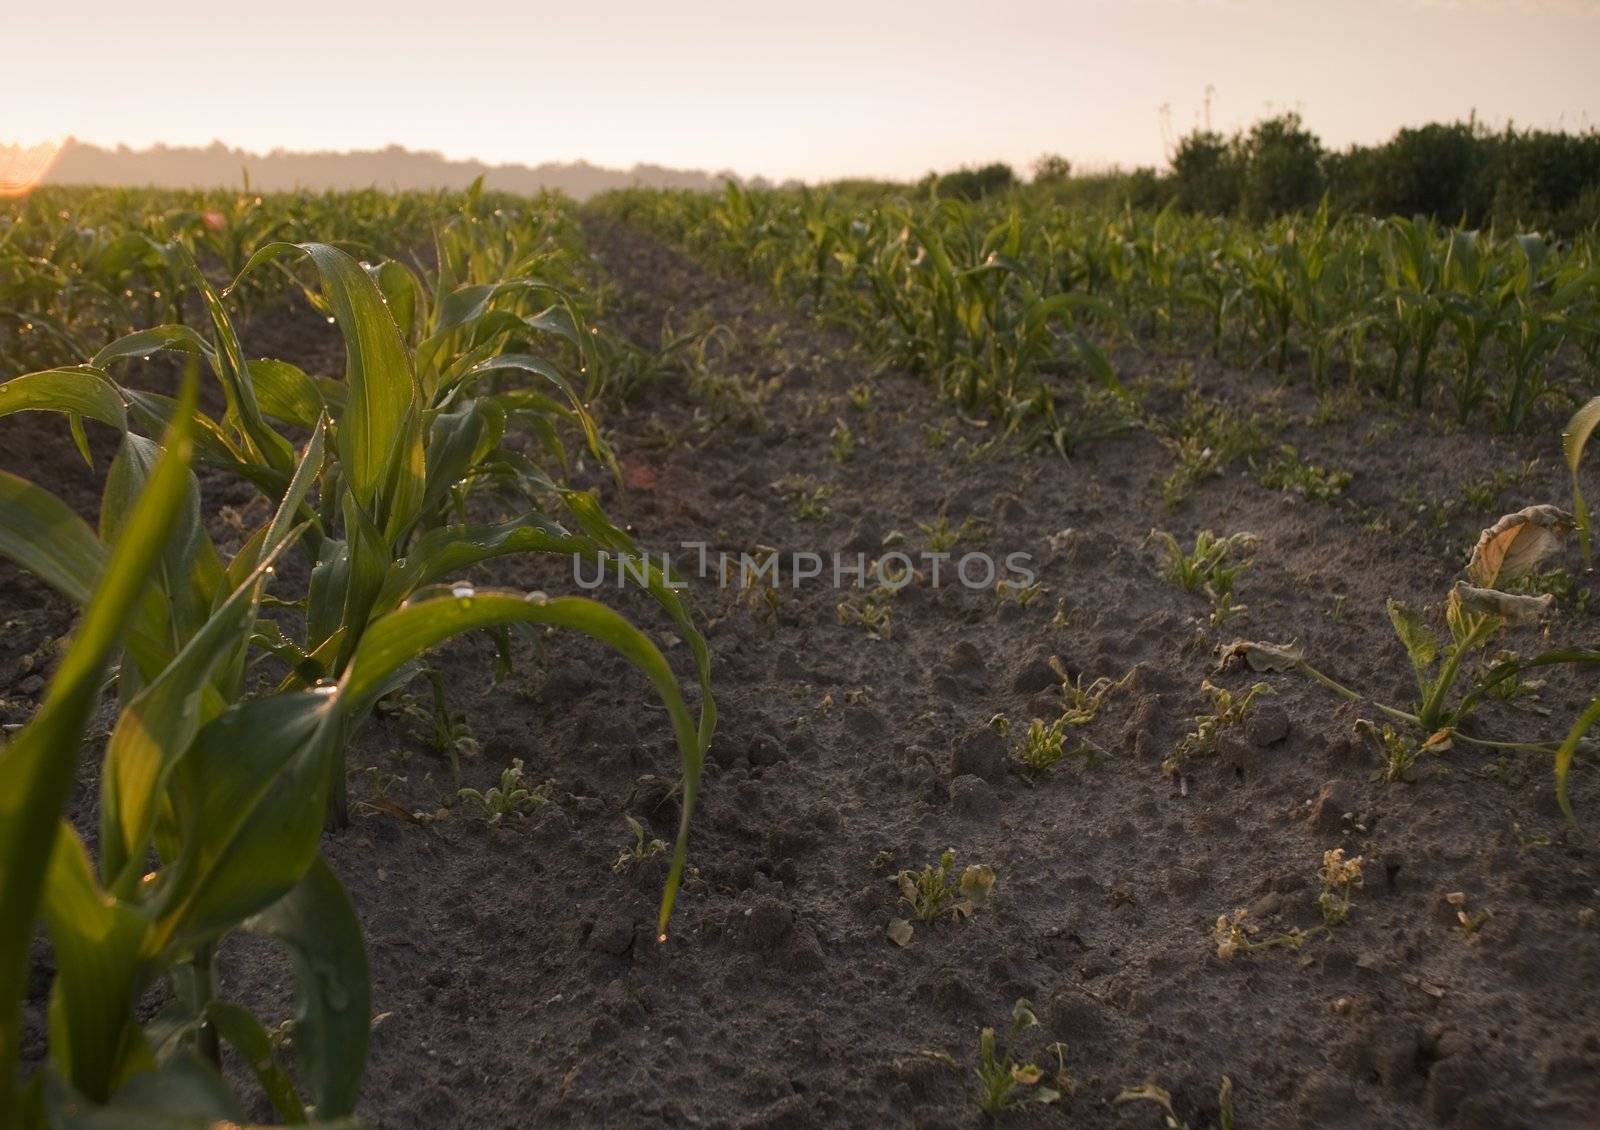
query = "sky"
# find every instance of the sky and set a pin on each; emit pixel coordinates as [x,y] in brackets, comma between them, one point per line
[811,90]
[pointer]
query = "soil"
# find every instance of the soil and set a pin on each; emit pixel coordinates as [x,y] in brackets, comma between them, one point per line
[517,980]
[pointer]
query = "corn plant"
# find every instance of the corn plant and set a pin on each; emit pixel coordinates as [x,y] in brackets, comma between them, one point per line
[226,787]
[1454,672]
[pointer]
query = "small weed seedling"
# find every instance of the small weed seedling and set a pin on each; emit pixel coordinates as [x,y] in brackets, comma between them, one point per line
[844,442]
[942,538]
[1004,1083]
[1160,1097]
[872,610]
[509,796]
[1020,595]
[444,730]
[935,436]
[1287,471]
[1211,568]
[1340,877]
[807,500]
[1469,921]
[860,396]
[937,892]
[1083,703]
[1043,746]
[1204,442]
[1228,713]
[639,851]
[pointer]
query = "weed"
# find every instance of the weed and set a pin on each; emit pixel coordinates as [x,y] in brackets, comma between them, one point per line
[860,395]
[1340,877]
[1399,751]
[1083,703]
[1228,713]
[942,538]
[935,436]
[1020,595]
[1004,1083]
[1205,440]
[510,796]
[640,850]
[1212,567]
[844,442]
[1483,495]
[937,892]
[1469,921]
[808,501]
[1287,471]
[871,610]
[1043,745]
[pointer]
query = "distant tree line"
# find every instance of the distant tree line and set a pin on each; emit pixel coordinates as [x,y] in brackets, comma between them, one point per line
[1459,172]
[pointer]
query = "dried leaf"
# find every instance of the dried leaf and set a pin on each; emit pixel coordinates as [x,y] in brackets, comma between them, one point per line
[1514,546]
[1027,1074]
[899,931]
[908,886]
[1493,602]
[1439,741]
[976,883]
[1261,656]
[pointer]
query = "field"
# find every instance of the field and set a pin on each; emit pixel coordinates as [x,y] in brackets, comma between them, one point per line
[432,698]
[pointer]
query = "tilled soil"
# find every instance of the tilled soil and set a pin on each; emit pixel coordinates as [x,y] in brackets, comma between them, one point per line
[517,978]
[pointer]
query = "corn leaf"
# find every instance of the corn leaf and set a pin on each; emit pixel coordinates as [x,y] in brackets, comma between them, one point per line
[428,620]
[38,764]
[1574,439]
[318,924]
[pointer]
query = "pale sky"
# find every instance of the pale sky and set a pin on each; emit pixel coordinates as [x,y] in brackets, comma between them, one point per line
[794,89]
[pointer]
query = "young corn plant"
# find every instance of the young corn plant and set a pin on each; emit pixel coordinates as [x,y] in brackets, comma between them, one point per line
[227,787]
[226,791]
[1454,673]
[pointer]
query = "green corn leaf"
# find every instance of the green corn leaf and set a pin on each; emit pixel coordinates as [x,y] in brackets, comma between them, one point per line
[249,799]
[380,427]
[99,957]
[1588,720]
[318,924]
[429,619]
[459,440]
[46,537]
[142,343]
[182,1094]
[1574,439]
[287,393]
[156,727]
[38,764]
[263,444]
[80,391]
[240,1029]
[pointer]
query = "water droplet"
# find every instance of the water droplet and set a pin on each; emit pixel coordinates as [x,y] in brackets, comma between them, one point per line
[463,592]
[323,687]
[330,320]
[536,597]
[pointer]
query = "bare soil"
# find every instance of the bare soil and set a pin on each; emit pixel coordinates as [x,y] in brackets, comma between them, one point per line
[516,974]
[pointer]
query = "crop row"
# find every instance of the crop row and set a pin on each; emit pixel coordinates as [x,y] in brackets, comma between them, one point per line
[1000,299]
[244,671]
